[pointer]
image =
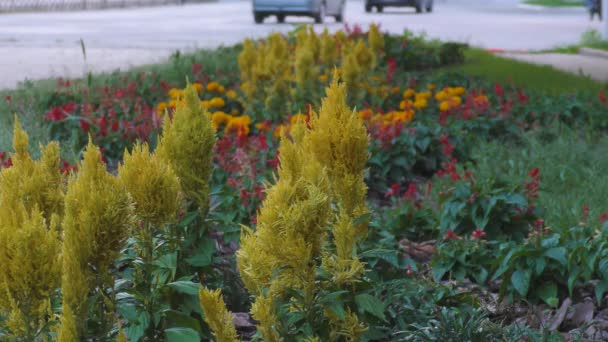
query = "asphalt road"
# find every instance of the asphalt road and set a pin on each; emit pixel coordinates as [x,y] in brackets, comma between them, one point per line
[42,45]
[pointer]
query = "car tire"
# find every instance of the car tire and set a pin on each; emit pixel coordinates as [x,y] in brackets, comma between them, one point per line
[379,9]
[320,17]
[339,18]
[281,18]
[258,18]
[418,7]
[368,8]
[429,6]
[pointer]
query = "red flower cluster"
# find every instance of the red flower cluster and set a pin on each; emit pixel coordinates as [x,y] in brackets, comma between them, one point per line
[450,235]
[4,161]
[532,187]
[61,112]
[478,234]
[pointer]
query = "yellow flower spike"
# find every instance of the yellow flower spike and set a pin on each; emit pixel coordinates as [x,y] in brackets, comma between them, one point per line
[98,216]
[152,183]
[304,67]
[376,39]
[31,203]
[217,315]
[365,56]
[329,49]
[187,144]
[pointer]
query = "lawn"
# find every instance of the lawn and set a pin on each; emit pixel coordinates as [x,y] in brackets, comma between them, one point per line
[555,3]
[336,187]
[542,78]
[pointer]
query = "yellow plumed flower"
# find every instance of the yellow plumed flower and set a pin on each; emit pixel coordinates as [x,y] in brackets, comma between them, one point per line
[375,38]
[217,316]
[329,50]
[98,217]
[31,203]
[365,57]
[186,144]
[152,183]
[304,67]
[247,61]
[351,72]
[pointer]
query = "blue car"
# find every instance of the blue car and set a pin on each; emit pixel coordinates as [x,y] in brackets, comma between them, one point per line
[318,9]
[419,5]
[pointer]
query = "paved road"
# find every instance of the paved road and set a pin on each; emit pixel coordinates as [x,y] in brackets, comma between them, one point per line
[41,45]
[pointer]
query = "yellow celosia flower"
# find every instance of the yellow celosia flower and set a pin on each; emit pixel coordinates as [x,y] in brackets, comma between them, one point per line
[217,102]
[98,217]
[304,67]
[31,202]
[217,316]
[329,49]
[152,183]
[186,144]
[365,57]
[376,39]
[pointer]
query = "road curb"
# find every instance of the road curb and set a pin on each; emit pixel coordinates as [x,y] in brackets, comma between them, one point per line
[538,8]
[593,53]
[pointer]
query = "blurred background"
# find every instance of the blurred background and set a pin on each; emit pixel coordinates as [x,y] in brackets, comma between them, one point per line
[49,38]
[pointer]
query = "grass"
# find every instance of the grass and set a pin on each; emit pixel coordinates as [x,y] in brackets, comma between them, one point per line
[555,3]
[572,169]
[590,39]
[536,77]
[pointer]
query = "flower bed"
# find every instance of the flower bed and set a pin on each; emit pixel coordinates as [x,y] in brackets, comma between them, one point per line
[275,143]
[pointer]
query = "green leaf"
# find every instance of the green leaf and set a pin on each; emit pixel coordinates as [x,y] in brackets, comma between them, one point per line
[520,280]
[186,287]
[557,253]
[338,310]
[389,255]
[365,218]
[440,270]
[600,289]
[204,254]
[370,304]
[181,320]
[182,335]
[548,293]
[188,218]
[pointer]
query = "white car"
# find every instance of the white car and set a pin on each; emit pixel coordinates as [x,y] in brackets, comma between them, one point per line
[318,9]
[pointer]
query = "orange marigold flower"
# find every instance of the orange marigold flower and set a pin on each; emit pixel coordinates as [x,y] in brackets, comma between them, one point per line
[213,86]
[408,93]
[217,102]
[198,86]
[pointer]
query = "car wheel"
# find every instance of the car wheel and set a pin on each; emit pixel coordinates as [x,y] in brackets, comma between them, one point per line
[258,18]
[281,18]
[419,6]
[379,9]
[319,17]
[368,8]
[429,6]
[339,18]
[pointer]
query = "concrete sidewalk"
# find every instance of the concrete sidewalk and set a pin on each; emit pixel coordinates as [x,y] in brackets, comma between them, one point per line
[595,67]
